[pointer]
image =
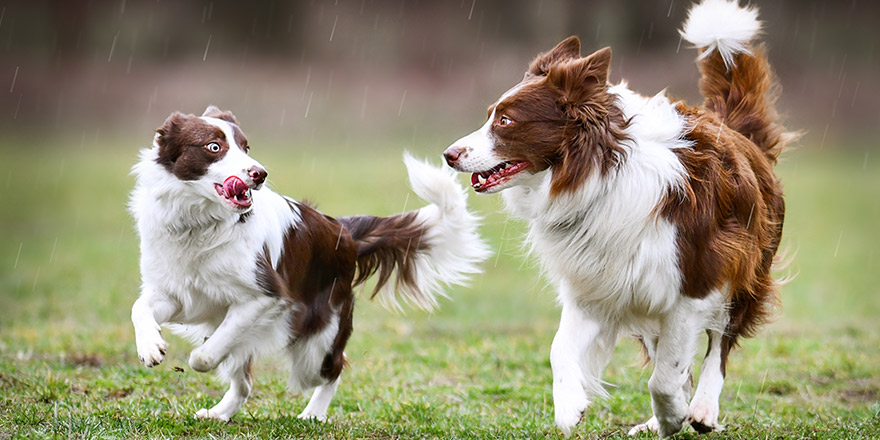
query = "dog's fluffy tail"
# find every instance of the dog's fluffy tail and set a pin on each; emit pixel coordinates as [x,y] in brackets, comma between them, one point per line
[422,250]
[737,81]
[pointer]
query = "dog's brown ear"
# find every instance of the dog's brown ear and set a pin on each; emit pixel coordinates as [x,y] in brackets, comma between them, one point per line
[587,104]
[568,49]
[576,76]
[170,127]
[213,112]
[169,138]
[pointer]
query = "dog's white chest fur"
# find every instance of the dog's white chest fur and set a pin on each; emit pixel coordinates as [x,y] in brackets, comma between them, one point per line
[605,241]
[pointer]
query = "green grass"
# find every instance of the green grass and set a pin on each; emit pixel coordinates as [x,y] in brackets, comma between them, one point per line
[477,368]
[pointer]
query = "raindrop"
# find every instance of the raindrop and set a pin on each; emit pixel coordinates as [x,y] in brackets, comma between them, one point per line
[2,14]
[402,99]
[17,106]
[36,278]
[306,86]
[333,31]
[837,248]
[501,241]
[113,47]
[339,237]
[855,93]
[865,163]
[205,56]
[52,254]
[14,77]
[751,211]
[471,14]
[122,7]
[283,113]
[309,105]
[669,12]
[18,255]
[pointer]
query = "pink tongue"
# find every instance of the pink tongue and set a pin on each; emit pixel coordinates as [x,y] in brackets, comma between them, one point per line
[234,186]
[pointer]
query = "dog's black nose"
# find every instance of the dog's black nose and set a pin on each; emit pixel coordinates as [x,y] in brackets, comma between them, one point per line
[258,175]
[452,154]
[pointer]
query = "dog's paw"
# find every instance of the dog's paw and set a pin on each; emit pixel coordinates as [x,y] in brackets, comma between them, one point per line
[569,411]
[671,425]
[309,415]
[201,360]
[151,350]
[704,417]
[211,415]
[650,426]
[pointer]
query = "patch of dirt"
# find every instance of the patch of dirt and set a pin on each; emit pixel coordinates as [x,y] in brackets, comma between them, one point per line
[86,360]
[118,394]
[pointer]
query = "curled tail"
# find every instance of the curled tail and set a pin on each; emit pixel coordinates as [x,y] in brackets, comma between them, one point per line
[736,81]
[422,250]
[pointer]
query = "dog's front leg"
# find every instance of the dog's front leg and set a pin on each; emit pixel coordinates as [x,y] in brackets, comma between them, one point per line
[580,351]
[240,318]
[670,382]
[147,314]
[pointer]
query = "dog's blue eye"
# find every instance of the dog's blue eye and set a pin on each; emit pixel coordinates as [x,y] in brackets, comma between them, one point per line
[213,147]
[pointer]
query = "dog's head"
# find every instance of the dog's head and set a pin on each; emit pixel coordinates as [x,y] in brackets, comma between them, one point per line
[560,118]
[210,152]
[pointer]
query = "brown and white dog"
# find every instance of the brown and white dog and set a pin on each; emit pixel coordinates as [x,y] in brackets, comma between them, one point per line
[651,217]
[241,270]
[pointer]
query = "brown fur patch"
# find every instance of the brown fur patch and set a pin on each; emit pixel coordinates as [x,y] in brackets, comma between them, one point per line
[318,264]
[386,243]
[743,98]
[729,218]
[315,273]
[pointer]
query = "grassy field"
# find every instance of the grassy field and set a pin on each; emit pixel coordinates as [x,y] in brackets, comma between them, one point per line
[477,368]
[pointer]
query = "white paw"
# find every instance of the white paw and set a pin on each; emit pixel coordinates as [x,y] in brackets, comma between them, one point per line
[308,415]
[650,426]
[201,360]
[672,425]
[704,416]
[211,415]
[151,350]
[569,408]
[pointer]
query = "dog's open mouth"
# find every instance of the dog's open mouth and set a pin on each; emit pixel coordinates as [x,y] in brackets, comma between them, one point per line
[235,191]
[499,175]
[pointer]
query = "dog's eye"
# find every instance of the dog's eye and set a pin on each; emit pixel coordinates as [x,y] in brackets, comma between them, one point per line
[504,120]
[213,147]
[247,149]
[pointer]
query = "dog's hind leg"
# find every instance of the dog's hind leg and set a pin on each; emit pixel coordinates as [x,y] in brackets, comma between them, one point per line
[581,349]
[320,401]
[704,407]
[240,387]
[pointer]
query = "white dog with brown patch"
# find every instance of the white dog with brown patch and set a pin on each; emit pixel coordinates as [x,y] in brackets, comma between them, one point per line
[241,270]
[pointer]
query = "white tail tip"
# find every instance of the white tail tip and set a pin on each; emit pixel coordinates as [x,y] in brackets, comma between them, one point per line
[721,25]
